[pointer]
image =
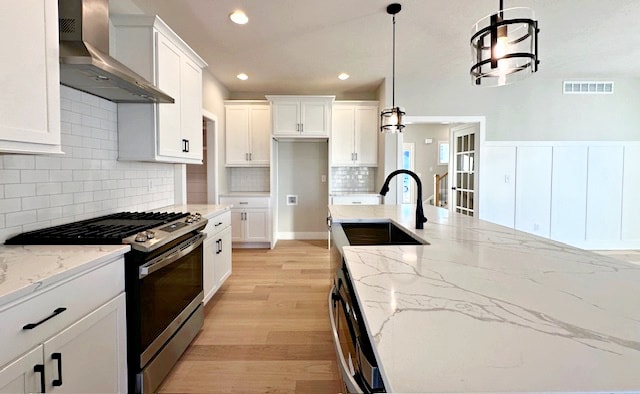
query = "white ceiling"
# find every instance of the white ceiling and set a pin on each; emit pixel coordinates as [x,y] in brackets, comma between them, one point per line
[300,46]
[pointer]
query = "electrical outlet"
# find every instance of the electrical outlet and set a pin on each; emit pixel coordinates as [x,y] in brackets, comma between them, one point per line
[150,185]
[507,178]
[323,178]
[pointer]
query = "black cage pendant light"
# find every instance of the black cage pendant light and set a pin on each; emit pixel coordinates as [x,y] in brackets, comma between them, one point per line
[504,47]
[391,118]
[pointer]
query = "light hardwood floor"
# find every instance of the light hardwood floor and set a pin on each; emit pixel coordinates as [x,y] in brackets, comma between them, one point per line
[267,329]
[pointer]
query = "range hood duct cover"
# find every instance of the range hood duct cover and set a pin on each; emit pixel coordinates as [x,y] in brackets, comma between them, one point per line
[85,63]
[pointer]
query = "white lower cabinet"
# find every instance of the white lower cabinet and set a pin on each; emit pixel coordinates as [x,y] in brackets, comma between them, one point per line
[77,346]
[250,219]
[217,254]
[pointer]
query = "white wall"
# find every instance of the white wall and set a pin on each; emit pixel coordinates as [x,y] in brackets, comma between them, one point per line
[426,155]
[213,96]
[580,193]
[88,181]
[300,167]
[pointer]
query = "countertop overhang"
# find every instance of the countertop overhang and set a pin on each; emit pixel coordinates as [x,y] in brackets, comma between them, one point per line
[485,308]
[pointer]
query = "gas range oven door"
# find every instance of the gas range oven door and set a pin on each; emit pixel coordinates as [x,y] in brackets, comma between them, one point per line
[164,308]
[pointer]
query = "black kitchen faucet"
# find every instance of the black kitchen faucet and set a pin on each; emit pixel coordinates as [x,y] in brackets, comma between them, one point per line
[420,218]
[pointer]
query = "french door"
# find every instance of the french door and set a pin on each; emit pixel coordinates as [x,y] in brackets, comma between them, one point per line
[463,190]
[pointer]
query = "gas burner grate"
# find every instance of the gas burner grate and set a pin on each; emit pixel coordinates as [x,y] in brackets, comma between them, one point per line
[104,230]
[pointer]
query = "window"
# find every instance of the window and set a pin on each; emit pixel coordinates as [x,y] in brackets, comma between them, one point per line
[443,152]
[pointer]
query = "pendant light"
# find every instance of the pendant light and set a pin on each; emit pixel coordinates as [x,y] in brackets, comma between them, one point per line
[391,118]
[504,47]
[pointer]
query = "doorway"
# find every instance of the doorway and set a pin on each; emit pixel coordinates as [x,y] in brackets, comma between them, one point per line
[468,179]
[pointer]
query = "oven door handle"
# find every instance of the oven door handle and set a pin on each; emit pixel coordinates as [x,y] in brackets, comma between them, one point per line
[174,254]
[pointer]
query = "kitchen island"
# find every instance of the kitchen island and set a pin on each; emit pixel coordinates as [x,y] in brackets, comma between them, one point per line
[485,308]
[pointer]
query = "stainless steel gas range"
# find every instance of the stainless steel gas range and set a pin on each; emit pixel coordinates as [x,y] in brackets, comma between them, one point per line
[163,281]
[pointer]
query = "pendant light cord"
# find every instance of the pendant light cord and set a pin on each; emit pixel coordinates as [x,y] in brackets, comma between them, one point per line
[393,67]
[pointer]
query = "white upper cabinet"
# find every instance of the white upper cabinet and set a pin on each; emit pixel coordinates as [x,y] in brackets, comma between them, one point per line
[247,131]
[354,134]
[30,94]
[301,116]
[159,132]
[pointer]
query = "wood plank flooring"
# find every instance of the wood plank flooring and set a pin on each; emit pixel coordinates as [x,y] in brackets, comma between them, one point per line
[267,329]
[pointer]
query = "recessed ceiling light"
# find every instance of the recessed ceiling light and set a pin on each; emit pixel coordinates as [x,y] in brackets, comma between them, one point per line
[242,76]
[343,76]
[239,17]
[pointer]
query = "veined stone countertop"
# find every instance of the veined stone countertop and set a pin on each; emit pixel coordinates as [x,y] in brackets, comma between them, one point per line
[485,308]
[206,210]
[25,269]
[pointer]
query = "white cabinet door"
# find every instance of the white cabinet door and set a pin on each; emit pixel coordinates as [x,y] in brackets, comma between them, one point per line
[256,225]
[248,135]
[23,375]
[286,118]
[237,135]
[342,134]
[366,136]
[90,355]
[237,225]
[30,94]
[191,108]
[260,139]
[209,282]
[314,118]
[168,72]
[223,257]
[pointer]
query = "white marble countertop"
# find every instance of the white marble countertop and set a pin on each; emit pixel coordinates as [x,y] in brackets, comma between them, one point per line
[206,210]
[485,308]
[26,269]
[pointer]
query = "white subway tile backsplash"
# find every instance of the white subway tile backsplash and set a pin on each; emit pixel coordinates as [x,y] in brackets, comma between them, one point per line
[48,188]
[10,205]
[35,202]
[49,213]
[88,181]
[58,200]
[249,179]
[34,176]
[9,176]
[20,190]
[47,163]
[19,162]
[20,218]
[353,179]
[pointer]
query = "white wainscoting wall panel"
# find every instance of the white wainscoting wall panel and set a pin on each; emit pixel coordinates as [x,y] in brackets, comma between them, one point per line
[583,193]
[498,173]
[631,195]
[533,189]
[604,193]
[569,194]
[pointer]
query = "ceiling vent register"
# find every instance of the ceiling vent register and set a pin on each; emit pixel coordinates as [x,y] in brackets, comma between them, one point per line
[587,87]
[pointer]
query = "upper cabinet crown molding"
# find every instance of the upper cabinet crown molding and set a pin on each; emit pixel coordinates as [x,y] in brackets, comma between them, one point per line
[30,94]
[159,132]
[301,116]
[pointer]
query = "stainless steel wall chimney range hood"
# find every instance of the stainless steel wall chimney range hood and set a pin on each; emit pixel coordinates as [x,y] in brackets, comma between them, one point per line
[85,63]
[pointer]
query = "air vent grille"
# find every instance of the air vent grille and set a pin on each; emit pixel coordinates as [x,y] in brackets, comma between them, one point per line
[67,25]
[587,87]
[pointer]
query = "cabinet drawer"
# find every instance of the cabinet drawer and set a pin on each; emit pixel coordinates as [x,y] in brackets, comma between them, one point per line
[218,223]
[80,296]
[246,202]
[355,200]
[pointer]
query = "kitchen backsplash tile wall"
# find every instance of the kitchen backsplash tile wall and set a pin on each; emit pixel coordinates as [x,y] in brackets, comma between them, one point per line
[249,179]
[39,191]
[353,179]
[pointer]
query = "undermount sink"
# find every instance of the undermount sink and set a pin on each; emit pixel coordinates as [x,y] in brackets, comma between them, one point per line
[378,233]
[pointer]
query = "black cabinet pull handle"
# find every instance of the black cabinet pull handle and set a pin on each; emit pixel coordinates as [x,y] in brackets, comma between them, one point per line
[217,224]
[55,313]
[39,368]
[58,357]
[219,246]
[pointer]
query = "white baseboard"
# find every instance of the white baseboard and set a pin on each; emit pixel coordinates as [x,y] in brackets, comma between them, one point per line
[303,235]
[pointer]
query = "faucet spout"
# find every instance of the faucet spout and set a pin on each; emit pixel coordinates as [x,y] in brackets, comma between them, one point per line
[420,218]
